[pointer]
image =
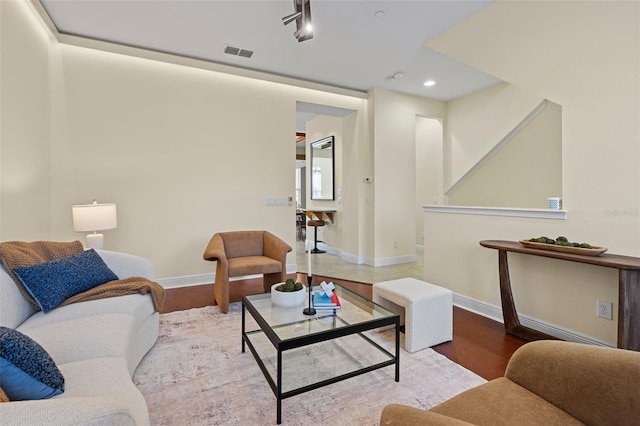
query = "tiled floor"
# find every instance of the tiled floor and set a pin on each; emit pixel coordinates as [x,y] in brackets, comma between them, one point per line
[331,265]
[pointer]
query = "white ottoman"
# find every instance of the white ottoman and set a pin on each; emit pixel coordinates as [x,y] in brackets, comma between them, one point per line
[428,310]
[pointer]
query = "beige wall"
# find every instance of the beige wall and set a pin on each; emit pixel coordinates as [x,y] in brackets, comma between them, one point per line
[561,294]
[394,184]
[184,152]
[522,172]
[355,165]
[25,170]
[478,121]
[587,61]
[181,151]
[429,165]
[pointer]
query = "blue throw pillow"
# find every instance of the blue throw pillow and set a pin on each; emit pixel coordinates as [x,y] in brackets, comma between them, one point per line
[26,369]
[51,283]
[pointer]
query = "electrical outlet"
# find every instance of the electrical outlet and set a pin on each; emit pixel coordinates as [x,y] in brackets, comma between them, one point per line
[605,309]
[395,244]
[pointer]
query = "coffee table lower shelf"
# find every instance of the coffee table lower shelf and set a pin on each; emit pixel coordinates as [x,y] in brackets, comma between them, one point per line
[299,365]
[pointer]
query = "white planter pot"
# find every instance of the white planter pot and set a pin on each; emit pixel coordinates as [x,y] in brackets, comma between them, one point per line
[287,299]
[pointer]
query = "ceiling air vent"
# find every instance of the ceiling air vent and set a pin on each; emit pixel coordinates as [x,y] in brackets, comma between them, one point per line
[235,51]
[231,50]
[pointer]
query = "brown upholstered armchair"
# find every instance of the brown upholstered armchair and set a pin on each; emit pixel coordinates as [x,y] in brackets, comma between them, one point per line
[546,383]
[246,253]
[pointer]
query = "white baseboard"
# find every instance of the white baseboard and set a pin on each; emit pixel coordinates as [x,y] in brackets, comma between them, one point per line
[358,260]
[495,313]
[395,260]
[362,260]
[193,280]
[329,249]
[186,281]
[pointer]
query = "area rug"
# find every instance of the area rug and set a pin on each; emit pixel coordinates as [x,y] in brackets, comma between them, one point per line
[196,374]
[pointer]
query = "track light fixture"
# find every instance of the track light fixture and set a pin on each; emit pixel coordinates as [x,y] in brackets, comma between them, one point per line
[301,33]
[302,17]
[290,18]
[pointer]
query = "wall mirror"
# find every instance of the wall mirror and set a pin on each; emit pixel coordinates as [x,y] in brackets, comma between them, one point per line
[322,169]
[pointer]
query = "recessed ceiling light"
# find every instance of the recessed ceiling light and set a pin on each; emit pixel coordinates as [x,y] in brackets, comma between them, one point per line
[429,83]
[380,14]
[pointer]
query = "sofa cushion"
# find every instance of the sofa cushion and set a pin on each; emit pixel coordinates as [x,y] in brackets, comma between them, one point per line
[136,322]
[107,379]
[138,305]
[26,369]
[95,336]
[15,308]
[127,265]
[99,392]
[51,283]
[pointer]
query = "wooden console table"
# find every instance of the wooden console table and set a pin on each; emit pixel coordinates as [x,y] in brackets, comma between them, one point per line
[628,290]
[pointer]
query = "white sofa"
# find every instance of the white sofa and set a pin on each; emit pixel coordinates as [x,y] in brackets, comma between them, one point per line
[97,346]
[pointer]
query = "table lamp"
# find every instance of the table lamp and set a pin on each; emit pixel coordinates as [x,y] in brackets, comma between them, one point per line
[92,218]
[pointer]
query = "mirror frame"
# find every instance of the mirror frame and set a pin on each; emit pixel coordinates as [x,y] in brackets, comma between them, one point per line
[317,145]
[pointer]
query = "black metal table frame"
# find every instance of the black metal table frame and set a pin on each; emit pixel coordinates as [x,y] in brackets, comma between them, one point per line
[284,345]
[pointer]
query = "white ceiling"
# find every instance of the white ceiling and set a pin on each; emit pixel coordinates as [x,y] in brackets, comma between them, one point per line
[352,47]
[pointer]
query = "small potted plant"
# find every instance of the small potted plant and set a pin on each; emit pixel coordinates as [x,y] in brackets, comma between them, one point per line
[288,293]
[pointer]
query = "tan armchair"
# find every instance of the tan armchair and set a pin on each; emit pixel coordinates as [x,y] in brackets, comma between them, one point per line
[546,383]
[246,253]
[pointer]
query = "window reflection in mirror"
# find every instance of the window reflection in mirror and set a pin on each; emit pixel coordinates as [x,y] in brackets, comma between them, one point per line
[322,165]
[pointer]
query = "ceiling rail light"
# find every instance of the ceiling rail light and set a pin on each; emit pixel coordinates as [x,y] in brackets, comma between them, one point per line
[290,18]
[302,17]
[429,83]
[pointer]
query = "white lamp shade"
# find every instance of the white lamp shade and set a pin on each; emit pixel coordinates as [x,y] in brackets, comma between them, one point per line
[94,217]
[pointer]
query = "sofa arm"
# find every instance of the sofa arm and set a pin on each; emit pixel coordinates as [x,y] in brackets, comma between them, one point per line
[64,412]
[597,385]
[404,415]
[127,265]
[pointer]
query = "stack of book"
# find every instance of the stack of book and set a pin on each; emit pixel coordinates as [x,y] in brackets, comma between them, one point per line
[321,301]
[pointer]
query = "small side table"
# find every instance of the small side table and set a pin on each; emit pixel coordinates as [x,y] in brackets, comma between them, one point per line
[428,310]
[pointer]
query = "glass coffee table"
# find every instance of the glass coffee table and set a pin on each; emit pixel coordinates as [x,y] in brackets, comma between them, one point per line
[298,353]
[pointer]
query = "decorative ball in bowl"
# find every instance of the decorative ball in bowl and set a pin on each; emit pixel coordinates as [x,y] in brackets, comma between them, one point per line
[287,294]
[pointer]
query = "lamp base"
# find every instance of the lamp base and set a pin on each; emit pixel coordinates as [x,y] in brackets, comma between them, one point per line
[95,241]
